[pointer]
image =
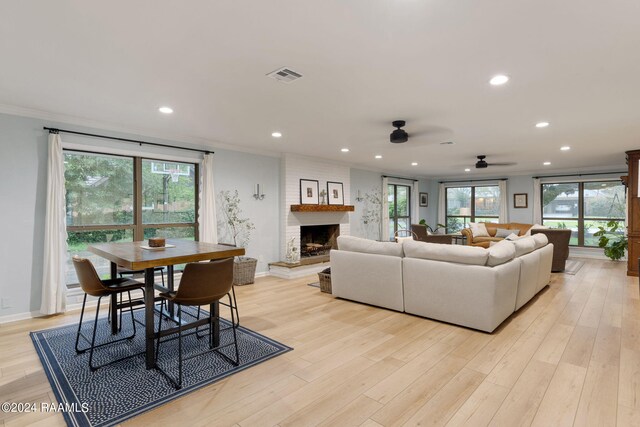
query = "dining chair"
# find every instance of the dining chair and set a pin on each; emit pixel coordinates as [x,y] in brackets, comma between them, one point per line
[200,284]
[92,285]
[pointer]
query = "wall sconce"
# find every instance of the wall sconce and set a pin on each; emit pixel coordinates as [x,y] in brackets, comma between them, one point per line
[358,197]
[257,192]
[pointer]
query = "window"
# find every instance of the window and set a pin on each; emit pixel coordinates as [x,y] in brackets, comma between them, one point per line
[399,208]
[104,204]
[583,207]
[471,204]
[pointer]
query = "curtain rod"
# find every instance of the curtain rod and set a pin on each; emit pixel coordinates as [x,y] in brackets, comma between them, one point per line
[135,141]
[578,174]
[474,180]
[399,177]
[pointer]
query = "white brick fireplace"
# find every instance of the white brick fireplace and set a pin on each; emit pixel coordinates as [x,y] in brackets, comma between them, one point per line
[294,168]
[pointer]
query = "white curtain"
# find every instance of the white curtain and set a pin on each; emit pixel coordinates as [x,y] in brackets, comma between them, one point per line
[504,202]
[442,205]
[415,203]
[207,210]
[54,285]
[385,209]
[537,202]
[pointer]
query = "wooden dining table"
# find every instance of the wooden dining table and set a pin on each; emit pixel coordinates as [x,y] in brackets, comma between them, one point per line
[133,256]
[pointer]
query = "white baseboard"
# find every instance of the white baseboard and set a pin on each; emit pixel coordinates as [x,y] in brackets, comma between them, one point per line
[19,316]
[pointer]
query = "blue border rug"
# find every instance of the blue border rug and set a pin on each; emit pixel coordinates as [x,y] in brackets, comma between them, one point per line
[122,390]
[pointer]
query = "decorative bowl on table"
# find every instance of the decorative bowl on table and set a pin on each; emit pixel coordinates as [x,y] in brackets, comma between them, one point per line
[157,242]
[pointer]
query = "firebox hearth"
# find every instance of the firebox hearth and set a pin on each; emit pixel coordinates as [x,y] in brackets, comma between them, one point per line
[318,240]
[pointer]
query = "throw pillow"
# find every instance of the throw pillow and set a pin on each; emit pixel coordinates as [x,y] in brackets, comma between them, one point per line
[512,237]
[503,232]
[478,229]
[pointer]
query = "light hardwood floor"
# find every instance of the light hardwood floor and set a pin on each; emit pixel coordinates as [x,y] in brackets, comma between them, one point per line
[569,357]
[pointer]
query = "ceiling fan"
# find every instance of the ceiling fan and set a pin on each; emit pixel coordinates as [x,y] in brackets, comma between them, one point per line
[399,135]
[482,164]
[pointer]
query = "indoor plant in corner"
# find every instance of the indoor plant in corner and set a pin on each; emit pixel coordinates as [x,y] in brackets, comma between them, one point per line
[239,229]
[614,243]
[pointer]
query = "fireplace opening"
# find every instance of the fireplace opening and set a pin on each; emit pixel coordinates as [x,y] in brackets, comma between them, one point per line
[316,240]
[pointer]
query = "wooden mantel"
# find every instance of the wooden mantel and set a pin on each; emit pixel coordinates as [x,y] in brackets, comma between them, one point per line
[322,208]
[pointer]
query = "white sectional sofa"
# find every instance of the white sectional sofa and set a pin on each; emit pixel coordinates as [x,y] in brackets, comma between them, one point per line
[469,286]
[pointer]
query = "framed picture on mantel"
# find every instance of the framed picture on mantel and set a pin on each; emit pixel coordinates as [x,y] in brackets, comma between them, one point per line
[309,192]
[335,193]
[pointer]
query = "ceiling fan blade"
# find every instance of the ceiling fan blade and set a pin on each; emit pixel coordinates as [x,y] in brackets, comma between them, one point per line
[502,164]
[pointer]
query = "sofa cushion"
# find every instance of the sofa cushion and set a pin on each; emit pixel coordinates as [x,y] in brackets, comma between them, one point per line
[451,253]
[501,252]
[513,236]
[524,245]
[503,232]
[356,244]
[522,228]
[478,229]
[540,240]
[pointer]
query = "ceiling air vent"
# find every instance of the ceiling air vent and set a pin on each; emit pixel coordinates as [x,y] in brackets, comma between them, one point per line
[285,75]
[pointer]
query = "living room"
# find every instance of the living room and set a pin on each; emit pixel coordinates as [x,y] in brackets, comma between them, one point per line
[285,97]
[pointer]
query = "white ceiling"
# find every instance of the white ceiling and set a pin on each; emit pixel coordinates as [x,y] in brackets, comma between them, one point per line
[574,63]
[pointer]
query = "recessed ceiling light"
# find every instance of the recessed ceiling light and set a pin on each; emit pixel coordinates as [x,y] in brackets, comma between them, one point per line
[542,124]
[565,148]
[498,80]
[276,134]
[414,164]
[165,110]
[378,156]
[546,163]
[345,150]
[467,170]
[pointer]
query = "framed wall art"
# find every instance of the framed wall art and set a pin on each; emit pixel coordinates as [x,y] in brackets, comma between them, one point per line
[309,192]
[335,193]
[520,200]
[424,200]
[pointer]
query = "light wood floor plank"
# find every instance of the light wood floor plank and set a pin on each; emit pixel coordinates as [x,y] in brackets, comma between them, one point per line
[560,402]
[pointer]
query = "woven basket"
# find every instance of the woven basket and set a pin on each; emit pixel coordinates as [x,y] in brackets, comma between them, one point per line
[244,271]
[325,282]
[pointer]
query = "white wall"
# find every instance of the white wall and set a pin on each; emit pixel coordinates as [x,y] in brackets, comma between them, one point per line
[23,147]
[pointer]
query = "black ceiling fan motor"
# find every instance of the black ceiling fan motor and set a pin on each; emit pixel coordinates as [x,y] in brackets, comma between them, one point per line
[398,136]
[481,163]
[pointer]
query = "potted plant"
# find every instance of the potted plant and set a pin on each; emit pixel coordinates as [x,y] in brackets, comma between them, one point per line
[614,243]
[239,229]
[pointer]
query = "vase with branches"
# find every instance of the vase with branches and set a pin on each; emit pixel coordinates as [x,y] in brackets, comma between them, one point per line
[239,230]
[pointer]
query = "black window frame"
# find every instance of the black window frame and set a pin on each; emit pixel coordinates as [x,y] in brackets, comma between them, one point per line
[395,216]
[138,226]
[472,217]
[580,218]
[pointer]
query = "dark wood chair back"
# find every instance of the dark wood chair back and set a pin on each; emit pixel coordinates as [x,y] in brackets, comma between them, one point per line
[420,231]
[204,283]
[88,277]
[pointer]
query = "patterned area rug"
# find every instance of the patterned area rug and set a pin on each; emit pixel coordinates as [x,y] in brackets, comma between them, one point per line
[122,390]
[572,266]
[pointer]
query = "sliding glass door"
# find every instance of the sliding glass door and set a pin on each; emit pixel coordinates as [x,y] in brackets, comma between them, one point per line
[399,208]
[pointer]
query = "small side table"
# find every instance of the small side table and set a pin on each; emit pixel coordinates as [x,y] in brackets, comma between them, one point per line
[459,239]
